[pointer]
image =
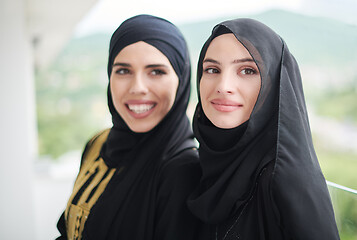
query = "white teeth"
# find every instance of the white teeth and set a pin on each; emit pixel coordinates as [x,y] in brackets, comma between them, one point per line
[140,108]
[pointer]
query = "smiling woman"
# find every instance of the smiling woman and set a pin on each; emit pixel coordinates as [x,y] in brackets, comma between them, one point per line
[135,178]
[144,85]
[230,82]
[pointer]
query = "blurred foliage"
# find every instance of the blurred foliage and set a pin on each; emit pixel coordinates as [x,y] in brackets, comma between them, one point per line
[71,96]
[345,207]
[338,167]
[340,104]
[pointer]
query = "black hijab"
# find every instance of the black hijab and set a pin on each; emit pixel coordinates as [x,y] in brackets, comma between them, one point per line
[164,36]
[138,155]
[278,130]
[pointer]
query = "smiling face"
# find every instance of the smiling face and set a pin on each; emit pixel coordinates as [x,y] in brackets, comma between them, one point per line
[143,86]
[230,82]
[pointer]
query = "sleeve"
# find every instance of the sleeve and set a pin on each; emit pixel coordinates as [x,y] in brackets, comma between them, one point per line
[303,204]
[178,178]
[61,226]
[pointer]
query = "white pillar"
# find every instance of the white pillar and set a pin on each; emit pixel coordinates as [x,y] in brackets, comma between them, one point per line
[18,140]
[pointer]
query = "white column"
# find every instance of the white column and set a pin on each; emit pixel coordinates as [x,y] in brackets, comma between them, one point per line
[18,141]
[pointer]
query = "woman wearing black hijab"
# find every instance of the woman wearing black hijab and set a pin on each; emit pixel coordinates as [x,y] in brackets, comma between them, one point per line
[261,177]
[135,177]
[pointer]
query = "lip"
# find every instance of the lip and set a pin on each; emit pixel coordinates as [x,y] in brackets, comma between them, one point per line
[225,105]
[140,105]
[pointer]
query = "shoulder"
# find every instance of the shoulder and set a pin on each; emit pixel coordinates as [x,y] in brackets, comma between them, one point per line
[296,176]
[95,143]
[186,159]
[302,201]
[100,136]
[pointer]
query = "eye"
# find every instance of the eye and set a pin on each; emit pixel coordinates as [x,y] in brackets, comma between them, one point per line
[211,70]
[249,71]
[122,71]
[157,72]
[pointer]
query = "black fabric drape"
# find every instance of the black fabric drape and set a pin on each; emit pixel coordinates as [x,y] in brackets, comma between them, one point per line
[126,209]
[277,134]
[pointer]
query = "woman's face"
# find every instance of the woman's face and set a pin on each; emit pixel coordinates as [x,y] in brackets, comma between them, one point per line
[230,82]
[143,86]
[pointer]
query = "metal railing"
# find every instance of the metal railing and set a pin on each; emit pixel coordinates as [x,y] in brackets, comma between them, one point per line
[344,201]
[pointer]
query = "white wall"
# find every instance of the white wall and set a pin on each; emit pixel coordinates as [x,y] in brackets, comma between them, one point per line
[17,124]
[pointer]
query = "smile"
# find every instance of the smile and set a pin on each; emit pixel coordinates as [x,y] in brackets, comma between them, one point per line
[140,108]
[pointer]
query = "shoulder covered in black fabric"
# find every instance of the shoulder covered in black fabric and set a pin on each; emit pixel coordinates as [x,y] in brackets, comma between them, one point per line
[303,202]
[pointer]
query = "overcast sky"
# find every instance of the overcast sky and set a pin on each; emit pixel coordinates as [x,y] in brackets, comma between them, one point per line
[106,15]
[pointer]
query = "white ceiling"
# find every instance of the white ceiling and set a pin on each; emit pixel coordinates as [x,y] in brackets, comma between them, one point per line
[51,24]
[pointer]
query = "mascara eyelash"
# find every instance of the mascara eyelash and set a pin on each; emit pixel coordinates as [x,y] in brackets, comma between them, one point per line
[159,72]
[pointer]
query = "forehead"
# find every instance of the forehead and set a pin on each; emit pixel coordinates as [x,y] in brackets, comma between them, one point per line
[141,52]
[226,45]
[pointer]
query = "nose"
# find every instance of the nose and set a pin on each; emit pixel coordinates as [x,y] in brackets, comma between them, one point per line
[138,85]
[225,85]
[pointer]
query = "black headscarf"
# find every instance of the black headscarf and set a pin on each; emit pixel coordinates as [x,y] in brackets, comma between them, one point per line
[278,130]
[164,36]
[139,154]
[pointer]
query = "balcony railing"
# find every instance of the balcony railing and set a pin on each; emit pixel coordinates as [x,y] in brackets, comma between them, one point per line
[344,201]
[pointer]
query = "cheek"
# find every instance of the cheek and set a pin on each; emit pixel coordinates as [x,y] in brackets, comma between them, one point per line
[113,91]
[166,91]
[117,90]
[169,96]
[204,89]
[174,88]
[172,94]
[253,94]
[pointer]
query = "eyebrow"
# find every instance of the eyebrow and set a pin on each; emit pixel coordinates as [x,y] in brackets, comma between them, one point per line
[122,64]
[210,60]
[156,65]
[234,61]
[147,66]
[243,60]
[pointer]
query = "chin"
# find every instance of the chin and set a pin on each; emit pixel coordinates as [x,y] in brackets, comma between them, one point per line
[226,124]
[141,128]
[223,125]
